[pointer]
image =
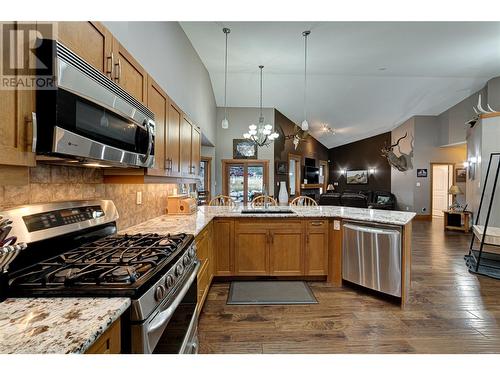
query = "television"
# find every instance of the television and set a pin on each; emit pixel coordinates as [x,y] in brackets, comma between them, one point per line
[311,174]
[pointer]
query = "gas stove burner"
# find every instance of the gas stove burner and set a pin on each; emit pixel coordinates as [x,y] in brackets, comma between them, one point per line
[115,263]
[126,273]
[65,274]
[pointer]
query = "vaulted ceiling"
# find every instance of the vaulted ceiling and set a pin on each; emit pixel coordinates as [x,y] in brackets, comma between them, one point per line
[364,77]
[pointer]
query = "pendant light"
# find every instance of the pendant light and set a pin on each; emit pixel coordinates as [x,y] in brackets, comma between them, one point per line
[225,123]
[261,135]
[305,125]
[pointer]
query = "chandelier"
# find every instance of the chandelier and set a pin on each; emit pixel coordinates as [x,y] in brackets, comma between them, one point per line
[261,134]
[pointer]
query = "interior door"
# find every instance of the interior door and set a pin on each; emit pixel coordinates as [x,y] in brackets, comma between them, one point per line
[441,182]
[254,181]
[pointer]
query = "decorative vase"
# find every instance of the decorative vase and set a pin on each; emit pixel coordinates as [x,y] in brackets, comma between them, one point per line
[283,194]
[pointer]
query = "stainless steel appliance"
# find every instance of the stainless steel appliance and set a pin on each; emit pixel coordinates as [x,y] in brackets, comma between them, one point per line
[87,117]
[371,256]
[73,250]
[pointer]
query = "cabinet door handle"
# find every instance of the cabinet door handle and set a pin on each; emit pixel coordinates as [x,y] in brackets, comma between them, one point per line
[272,238]
[307,238]
[316,223]
[109,65]
[118,72]
[34,131]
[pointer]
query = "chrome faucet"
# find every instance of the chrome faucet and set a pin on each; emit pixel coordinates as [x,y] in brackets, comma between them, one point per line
[266,198]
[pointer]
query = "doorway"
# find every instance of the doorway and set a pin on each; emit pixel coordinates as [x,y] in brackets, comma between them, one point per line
[441,180]
[245,179]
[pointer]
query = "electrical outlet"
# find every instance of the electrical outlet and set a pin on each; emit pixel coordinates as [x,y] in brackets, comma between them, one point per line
[335,184]
[336,224]
[138,197]
[418,183]
[407,208]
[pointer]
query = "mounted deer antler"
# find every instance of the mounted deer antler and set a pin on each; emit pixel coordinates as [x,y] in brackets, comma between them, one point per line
[401,163]
[298,136]
[479,110]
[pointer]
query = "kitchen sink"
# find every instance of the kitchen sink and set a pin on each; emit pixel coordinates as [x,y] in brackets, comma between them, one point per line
[267,211]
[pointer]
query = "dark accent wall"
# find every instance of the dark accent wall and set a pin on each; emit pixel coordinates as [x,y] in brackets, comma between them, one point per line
[363,154]
[311,148]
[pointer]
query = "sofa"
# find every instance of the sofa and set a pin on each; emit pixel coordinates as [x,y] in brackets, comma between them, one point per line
[380,200]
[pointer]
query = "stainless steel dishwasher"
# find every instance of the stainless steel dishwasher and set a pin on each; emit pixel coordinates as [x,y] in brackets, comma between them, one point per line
[371,256]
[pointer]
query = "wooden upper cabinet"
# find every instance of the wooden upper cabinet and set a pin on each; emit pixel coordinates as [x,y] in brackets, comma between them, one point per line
[128,73]
[195,150]
[185,147]
[158,103]
[16,108]
[172,151]
[89,40]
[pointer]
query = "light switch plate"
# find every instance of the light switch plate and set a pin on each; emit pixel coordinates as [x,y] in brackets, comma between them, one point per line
[418,183]
[336,224]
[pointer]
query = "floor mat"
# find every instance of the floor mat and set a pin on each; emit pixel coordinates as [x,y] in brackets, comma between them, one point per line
[270,293]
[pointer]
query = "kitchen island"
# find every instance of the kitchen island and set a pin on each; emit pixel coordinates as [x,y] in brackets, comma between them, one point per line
[305,243]
[59,325]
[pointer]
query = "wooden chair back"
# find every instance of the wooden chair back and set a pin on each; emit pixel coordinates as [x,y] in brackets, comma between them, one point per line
[222,200]
[260,200]
[302,200]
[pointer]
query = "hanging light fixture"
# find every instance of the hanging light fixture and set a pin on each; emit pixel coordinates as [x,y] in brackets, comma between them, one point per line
[305,125]
[261,135]
[225,123]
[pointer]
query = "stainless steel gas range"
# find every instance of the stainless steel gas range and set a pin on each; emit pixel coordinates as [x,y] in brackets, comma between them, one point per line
[73,250]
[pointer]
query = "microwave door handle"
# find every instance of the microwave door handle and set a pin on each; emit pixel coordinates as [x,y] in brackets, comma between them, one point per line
[150,140]
[164,315]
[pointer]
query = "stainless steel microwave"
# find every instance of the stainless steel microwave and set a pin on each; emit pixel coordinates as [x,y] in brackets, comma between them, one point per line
[88,118]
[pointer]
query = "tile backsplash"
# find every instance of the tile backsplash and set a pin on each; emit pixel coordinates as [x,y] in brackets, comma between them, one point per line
[48,183]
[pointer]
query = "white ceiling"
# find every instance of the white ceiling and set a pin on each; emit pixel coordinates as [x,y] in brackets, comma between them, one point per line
[429,67]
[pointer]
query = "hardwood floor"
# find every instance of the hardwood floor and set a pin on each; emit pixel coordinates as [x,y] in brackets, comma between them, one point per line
[450,311]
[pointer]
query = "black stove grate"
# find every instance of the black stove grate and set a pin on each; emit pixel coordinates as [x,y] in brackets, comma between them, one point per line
[121,261]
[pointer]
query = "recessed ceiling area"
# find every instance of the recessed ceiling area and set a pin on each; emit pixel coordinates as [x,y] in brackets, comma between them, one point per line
[364,78]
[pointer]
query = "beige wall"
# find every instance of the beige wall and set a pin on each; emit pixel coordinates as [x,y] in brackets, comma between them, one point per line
[47,183]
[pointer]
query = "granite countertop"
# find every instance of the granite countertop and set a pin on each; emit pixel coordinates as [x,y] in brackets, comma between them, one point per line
[194,224]
[56,325]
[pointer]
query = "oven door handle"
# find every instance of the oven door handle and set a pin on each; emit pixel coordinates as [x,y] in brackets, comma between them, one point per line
[164,316]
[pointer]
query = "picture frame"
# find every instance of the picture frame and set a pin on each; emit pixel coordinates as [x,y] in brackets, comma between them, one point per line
[460,175]
[422,172]
[244,149]
[281,167]
[357,177]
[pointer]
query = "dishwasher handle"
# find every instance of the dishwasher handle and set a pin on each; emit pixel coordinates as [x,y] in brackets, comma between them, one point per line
[371,229]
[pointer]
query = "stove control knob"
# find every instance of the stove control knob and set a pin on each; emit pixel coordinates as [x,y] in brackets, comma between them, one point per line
[160,293]
[179,270]
[170,281]
[192,252]
[186,260]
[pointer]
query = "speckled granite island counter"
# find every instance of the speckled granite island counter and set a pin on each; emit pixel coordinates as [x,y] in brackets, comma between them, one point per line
[56,325]
[303,242]
[195,223]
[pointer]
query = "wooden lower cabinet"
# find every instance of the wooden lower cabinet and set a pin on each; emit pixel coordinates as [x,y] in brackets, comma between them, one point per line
[316,249]
[204,251]
[286,250]
[223,232]
[251,252]
[109,342]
